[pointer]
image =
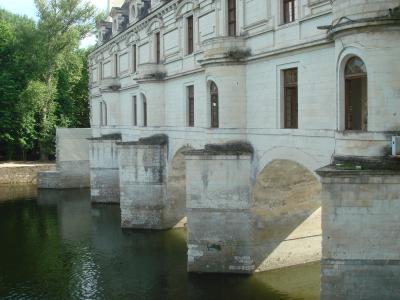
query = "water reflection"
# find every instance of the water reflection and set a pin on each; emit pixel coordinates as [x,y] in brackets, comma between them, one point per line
[61,247]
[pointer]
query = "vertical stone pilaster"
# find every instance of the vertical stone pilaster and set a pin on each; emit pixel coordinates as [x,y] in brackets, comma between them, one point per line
[103,156]
[142,172]
[218,210]
[360,234]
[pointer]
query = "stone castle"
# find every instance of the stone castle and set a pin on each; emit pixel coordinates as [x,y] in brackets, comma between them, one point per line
[226,111]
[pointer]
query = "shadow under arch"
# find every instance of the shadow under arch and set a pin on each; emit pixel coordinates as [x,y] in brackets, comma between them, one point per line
[293,154]
[286,215]
[175,206]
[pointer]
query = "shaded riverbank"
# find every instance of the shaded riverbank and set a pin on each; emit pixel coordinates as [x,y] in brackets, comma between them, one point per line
[12,172]
[59,246]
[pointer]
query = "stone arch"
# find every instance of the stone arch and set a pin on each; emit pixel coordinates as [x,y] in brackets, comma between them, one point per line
[133,38]
[344,56]
[175,211]
[184,7]
[114,49]
[290,153]
[154,25]
[286,215]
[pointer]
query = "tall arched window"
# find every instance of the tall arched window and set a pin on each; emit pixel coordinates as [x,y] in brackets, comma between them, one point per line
[103,113]
[214,104]
[356,104]
[144,110]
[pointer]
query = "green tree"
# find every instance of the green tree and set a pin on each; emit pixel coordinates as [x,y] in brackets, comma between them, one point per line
[18,65]
[72,91]
[43,75]
[62,24]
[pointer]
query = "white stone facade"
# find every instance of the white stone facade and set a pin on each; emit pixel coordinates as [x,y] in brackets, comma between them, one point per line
[251,87]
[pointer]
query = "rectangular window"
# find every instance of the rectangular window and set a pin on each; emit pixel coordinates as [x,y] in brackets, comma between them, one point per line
[134,58]
[190,35]
[101,114]
[116,65]
[134,111]
[232,17]
[157,47]
[290,98]
[190,97]
[101,71]
[289,10]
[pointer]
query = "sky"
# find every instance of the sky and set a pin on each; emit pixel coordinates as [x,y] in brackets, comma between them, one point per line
[27,7]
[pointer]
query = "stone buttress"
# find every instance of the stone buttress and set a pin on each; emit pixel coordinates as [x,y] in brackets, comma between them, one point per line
[360,230]
[218,201]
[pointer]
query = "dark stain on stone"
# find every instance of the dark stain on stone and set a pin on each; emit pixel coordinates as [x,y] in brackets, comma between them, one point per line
[216,247]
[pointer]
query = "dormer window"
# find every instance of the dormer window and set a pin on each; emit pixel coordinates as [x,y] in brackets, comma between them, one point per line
[103,31]
[115,26]
[132,13]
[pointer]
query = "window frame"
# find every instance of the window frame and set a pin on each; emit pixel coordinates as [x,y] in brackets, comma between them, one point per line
[214,112]
[190,105]
[134,110]
[116,62]
[144,111]
[134,58]
[348,79]
[290,88]
[286,17]
[189,35]
[231,6]
[157,41]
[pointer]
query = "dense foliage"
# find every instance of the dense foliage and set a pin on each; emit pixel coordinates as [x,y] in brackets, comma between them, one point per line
[43,76]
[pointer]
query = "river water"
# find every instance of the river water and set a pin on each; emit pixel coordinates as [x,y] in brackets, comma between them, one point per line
[56,245]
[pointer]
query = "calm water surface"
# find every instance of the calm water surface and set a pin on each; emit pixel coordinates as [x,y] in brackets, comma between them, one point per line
[56,245]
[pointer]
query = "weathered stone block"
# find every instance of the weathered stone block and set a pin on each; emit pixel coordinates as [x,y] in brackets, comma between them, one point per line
[219,219]
[142,173]
[360,234]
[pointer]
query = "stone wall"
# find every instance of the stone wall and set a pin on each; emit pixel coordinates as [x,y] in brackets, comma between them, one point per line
[104,177]
[72,154]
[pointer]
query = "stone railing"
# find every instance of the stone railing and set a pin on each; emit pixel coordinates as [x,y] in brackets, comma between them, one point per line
[150,71]
[110,84]
[224,48]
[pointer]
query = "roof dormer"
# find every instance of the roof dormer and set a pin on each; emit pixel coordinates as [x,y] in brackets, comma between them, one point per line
[104,31]
[120,16]
[134,10]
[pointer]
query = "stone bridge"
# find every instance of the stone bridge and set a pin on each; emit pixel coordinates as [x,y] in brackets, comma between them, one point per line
[253,202]
[249,208]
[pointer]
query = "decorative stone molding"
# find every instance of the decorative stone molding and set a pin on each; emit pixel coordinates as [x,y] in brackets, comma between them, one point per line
[184,7]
